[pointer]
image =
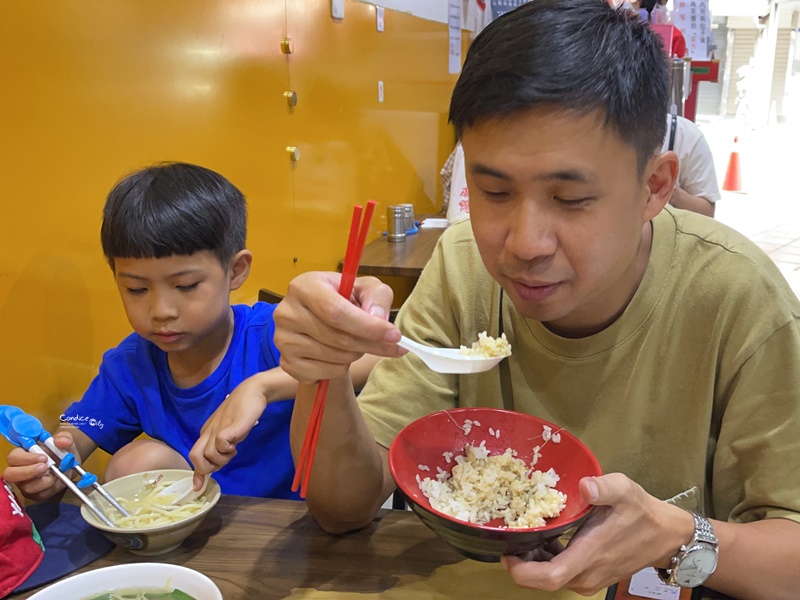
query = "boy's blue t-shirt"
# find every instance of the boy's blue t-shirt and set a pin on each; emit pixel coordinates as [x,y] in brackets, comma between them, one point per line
[134,393]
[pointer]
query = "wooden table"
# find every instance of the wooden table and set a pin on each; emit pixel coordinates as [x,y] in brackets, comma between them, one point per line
[255,548]
[398,259]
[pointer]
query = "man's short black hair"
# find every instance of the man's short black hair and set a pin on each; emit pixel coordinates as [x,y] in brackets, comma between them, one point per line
[173,209]
[573,55]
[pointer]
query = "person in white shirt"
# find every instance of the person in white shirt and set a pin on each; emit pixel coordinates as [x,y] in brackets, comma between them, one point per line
[697,188]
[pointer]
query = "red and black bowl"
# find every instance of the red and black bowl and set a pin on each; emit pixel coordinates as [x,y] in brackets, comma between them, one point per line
[425,441]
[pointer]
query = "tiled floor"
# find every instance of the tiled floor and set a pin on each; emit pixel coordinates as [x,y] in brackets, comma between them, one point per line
[782,245]
[768,208]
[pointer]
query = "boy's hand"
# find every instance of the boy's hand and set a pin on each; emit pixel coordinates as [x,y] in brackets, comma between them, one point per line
[320,334]
[30,473]
[228,426]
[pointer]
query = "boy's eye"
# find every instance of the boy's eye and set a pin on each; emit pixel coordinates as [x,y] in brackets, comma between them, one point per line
[188,288]
[136,291]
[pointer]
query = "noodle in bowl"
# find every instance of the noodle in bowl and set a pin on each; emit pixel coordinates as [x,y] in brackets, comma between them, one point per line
[149,508]
[155,526]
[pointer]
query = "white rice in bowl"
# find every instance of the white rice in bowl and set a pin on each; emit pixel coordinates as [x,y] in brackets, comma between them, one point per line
[488,346]
[482,488]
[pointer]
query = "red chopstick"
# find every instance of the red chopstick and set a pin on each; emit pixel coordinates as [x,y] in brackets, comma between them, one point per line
[352,258]
[314,420]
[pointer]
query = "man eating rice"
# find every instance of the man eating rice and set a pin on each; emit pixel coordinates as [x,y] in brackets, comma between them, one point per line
[668,343]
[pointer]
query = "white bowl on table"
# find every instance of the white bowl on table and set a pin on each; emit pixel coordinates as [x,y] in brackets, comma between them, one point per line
[151,541]
[132,576]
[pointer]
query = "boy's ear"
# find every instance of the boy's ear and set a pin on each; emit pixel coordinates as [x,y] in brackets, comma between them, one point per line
[240,268]
[662,175]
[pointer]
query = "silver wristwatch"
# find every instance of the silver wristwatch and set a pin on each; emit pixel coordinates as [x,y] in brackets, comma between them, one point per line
[696,561]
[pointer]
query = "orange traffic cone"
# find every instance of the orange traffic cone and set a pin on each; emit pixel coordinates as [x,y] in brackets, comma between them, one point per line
[733,176]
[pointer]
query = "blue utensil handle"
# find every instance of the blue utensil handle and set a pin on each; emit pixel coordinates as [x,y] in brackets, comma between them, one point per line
[87,480]
[20,428]
[6,414]
[24,430]
[68,459]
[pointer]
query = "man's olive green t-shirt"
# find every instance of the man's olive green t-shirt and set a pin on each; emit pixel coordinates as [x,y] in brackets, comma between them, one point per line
[696,384]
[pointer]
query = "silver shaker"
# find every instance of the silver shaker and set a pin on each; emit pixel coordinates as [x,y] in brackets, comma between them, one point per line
[396,223]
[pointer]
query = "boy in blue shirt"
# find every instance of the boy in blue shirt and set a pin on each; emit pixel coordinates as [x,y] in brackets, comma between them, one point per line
[200,377]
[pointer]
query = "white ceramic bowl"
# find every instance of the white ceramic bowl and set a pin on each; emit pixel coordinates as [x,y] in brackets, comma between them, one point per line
[138,575]
[151,541]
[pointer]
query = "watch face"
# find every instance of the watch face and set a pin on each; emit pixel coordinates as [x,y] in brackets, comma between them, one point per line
[696,566]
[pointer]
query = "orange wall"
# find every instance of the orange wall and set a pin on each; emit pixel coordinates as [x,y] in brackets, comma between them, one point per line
[93,89]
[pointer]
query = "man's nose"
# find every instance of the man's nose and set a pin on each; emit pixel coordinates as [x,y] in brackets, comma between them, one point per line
[531,232]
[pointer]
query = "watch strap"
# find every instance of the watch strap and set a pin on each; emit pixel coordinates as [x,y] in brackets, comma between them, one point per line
[703,533]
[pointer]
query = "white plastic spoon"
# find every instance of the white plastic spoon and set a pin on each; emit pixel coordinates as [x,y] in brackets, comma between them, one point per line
[183,490]
[449,360]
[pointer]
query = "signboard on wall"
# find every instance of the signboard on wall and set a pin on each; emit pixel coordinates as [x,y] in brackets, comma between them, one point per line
[693,18]
[500,7]
[454,36]
[433,10]
[475,14]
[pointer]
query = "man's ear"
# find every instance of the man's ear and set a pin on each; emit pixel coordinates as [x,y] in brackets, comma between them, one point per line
[240,268]
[661,176]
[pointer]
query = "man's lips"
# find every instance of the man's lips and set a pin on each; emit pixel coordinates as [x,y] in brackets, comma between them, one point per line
[535,291]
